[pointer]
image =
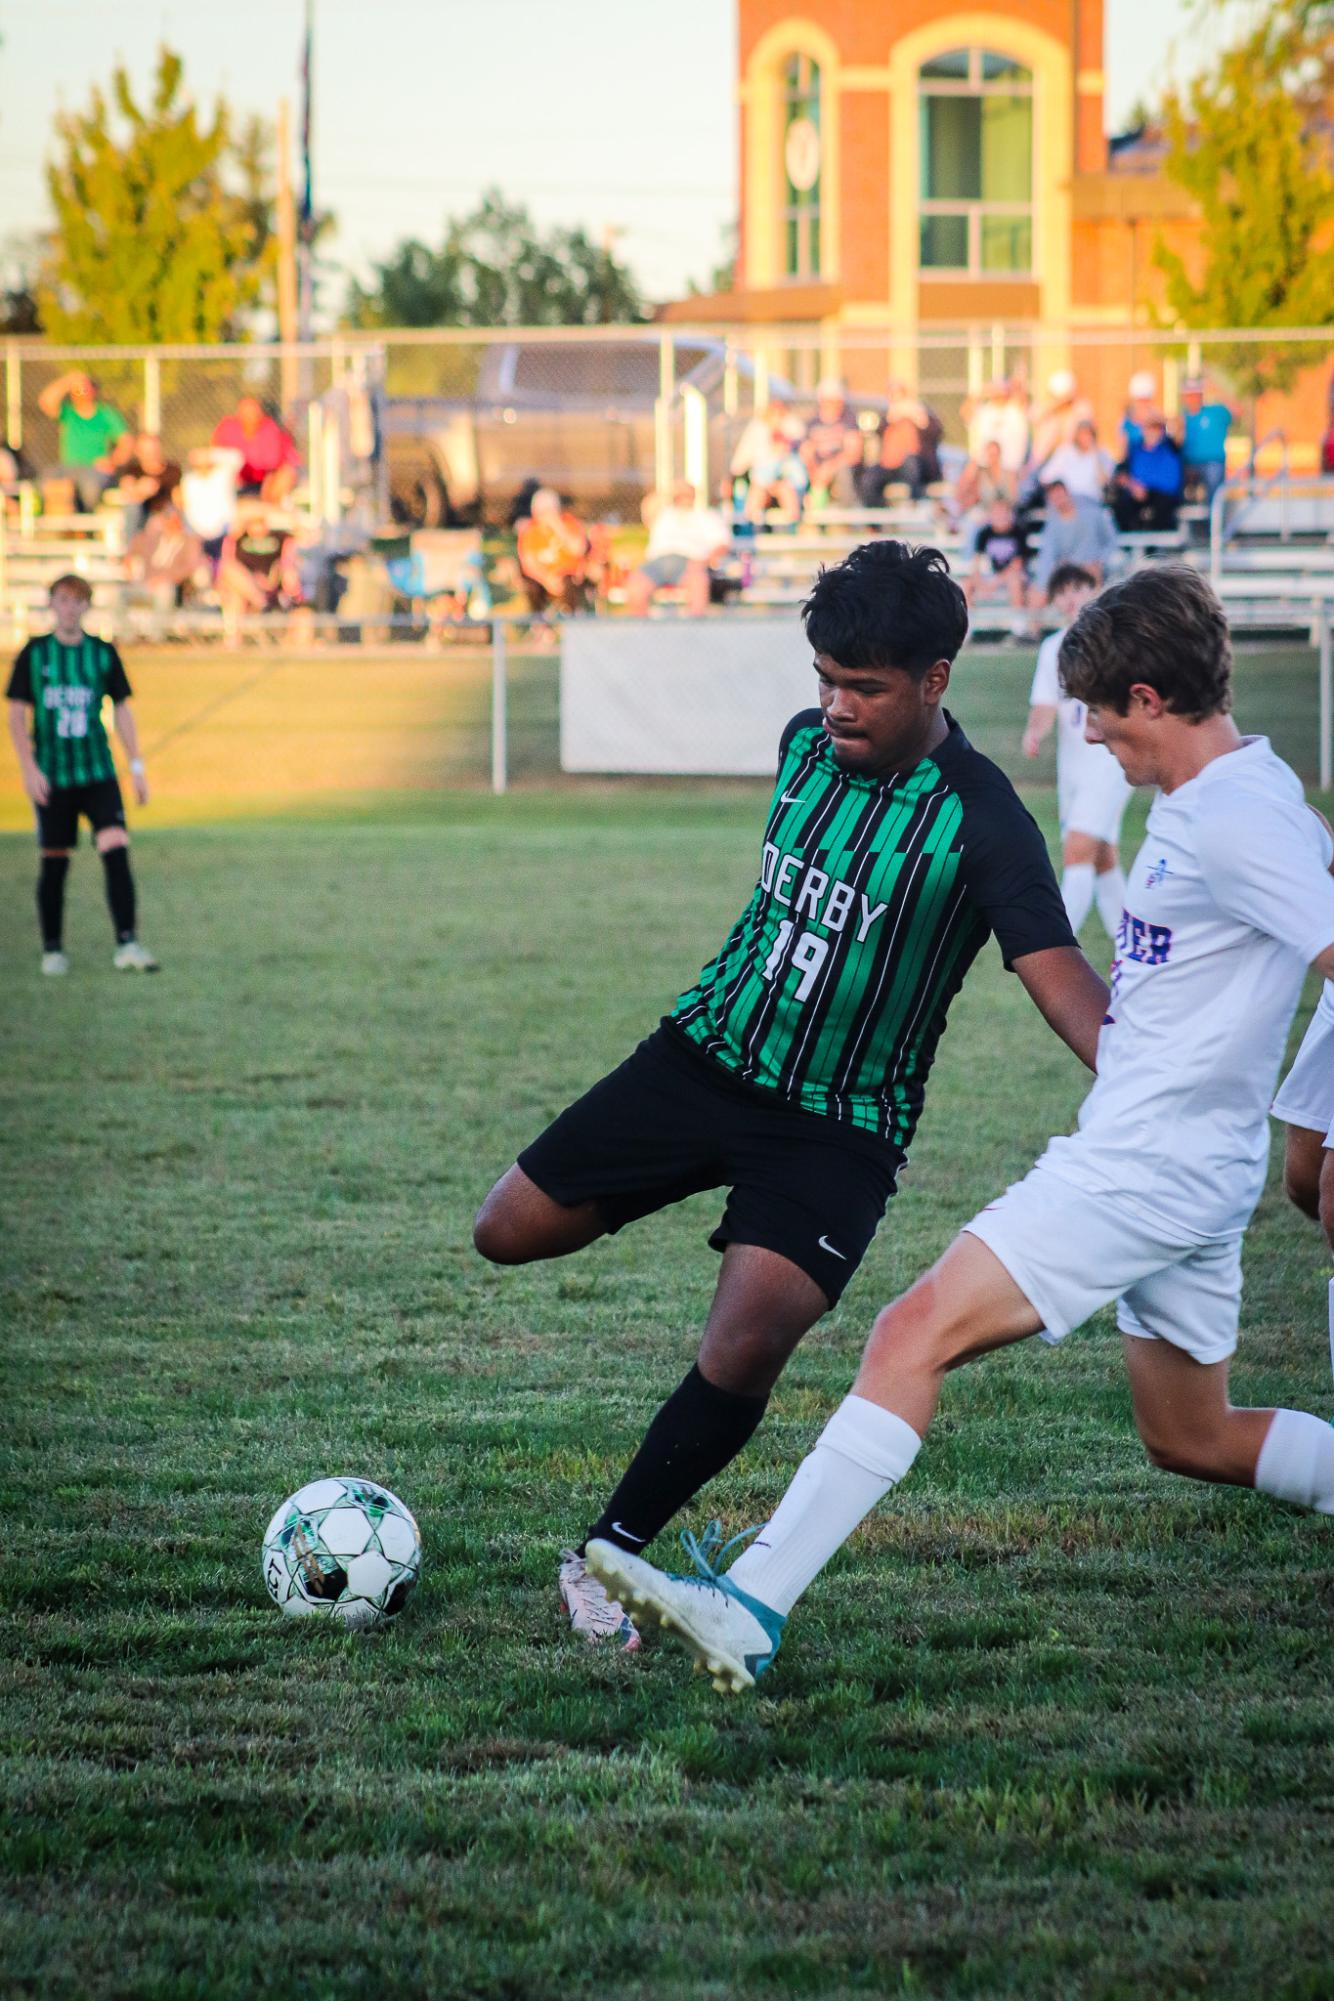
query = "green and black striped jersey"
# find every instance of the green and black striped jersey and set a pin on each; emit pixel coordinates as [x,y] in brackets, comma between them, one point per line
[66,686]
[874,898]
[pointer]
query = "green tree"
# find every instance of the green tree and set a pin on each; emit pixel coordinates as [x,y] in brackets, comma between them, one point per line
[163,222]
[495,268]
[1246,142]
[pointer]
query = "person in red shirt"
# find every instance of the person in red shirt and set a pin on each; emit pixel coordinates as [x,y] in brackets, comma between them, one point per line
[269,457]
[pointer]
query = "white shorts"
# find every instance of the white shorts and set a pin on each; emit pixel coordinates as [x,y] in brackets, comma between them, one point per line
[1070,1252]
[1091,798]
[1306,1095]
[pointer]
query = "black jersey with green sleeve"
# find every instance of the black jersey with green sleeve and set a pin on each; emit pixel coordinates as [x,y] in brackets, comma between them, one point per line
[874,898]
[66,686]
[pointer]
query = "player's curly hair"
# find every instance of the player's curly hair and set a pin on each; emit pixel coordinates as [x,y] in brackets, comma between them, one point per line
[1161,628]
[887,605]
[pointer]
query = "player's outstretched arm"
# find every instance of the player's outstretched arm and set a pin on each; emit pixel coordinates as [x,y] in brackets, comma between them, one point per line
[128,732]
[1071,998]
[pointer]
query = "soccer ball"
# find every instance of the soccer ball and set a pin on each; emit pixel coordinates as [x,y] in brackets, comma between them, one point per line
[344,1548]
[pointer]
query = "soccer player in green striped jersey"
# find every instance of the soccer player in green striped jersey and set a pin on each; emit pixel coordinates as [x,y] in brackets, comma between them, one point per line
[56,691]
[792,1072]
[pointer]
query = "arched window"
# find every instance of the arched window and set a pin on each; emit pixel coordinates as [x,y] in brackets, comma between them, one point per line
[802,167]
[976,112]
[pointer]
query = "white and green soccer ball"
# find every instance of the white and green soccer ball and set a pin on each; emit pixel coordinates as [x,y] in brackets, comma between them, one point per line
[344,1549]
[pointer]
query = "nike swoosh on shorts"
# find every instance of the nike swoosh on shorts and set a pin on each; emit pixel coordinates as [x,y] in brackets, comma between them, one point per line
[825,1245]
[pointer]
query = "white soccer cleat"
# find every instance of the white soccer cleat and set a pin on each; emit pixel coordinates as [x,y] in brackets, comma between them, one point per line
[54,964]
[132,957]
[594,1615]
[732,1636]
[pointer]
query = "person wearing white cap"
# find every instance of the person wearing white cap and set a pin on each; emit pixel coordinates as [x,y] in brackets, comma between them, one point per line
[1143,394]
[1201,431]
[1054,423]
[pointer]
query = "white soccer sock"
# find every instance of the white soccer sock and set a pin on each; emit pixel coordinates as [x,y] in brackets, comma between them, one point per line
[1077,892]
[1110,893]
[862,1452]
[1296,1461]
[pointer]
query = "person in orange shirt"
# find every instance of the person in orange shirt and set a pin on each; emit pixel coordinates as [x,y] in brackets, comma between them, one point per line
[553,555]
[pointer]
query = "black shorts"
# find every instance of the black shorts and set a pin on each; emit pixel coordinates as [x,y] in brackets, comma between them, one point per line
[99,803]
[669,1123]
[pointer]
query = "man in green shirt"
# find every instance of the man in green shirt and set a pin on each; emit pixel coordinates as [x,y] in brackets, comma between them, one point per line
[63,679]
[89,432]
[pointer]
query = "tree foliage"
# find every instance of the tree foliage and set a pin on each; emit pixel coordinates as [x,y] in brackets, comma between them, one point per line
[164,225]
[495,268]
[1249,141]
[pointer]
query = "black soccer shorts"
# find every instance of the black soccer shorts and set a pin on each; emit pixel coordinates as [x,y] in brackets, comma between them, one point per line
[99,803]
[668,1123]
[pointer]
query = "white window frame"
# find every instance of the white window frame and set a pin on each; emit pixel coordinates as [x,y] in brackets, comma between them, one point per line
[975,85]
[804,214]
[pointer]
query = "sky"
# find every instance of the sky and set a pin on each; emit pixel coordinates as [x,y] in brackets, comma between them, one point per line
[615,114]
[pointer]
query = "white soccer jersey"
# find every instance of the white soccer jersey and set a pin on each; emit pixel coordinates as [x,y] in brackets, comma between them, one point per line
[1091,788]
[1306,1095]
[1227,903]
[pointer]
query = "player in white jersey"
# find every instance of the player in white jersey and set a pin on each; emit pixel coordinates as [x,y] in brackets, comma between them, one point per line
[1228,902]
[1091,788]
[1305,1103]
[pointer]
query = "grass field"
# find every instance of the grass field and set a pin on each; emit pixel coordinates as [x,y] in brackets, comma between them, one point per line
[1053,1725]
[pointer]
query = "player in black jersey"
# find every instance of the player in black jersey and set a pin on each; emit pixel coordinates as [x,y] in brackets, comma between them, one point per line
[792,1072]
[56,691]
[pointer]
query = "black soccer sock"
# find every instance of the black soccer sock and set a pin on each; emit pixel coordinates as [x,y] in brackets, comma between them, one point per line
[120,892]
[698,1431]
[51,900]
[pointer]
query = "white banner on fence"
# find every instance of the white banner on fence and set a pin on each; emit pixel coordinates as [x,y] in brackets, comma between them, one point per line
[704,697]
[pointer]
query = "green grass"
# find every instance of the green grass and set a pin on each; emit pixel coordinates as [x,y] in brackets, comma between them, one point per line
[1053,1725]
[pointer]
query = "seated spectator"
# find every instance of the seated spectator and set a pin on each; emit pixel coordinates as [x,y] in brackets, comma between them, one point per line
[768,458]
[685,545]
[165,559]
[1000,558]
[1074,531]
[1148,482]
[15,470]
[831,449]
[258,568]
[146,476]
[1143,401]
[269,457]
[208,496]
[1081,465]
[1202,430]
[903,457]
[90,431]
[983,481]
[553,555]
[1060,416]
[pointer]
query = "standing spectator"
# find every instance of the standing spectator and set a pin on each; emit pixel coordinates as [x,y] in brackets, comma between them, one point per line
[1202,432]
[258,568]
[1143,395]
[1056,422]
[208,496]
[269,457]
[553,555]
[1001,415]
[1000,558]
[165,558]
[90,431]
[831,450]
[768,458]
[145,477]
[1148,482]
[1081,465]
[685,545]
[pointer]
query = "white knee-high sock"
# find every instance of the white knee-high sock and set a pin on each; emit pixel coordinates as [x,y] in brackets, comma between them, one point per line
[1296,1461]
[1110,894]
[862,1452]
[1077,892]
